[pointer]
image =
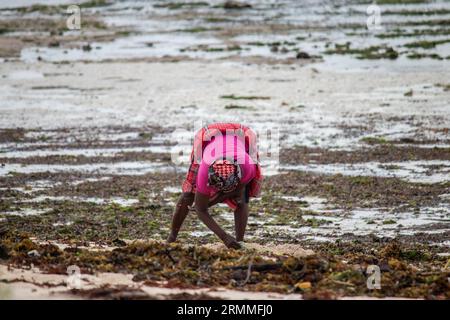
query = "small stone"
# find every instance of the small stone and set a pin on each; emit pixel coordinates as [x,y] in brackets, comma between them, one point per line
[303,285]
[242,244]
[119,242]
[236,5]
[33,253]
[4,254]
[86,47]
[303,55]
[54,44]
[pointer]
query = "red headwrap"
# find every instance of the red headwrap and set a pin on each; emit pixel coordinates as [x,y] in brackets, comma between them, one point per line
[224,175]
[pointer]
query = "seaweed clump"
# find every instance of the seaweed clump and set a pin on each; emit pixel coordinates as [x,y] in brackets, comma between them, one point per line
[405,272]
[371,53]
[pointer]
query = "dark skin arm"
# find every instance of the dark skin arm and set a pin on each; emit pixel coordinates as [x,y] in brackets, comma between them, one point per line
[201,206]
[181,211]
[240,214]
[241,211]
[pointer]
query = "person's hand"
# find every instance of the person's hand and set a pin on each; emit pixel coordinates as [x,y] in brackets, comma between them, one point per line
[231,242]
[171,238]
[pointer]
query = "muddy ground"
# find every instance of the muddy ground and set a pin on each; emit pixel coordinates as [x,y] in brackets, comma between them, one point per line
[349,222]
[90,120]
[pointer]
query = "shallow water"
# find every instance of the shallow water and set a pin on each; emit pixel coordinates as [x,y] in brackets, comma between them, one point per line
[312,25]
[115,200]
[26,3]
[363,222]
[333,102]
[91,152]
[118,168]
[411,171]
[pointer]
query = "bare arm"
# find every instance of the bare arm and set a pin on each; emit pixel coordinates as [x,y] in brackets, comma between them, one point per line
[241,211]
[181,211]
[201,206]
[241,216]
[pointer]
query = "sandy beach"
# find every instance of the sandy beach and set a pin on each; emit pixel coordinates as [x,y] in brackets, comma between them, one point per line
[90,121]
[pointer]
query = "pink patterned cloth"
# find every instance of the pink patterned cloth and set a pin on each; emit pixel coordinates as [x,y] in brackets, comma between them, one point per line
[225,146]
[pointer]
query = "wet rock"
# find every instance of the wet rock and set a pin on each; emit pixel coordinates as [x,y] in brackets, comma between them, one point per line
[236,5]
[303,55]
[33,253]
[391,53]
[118,242]
[144,277]
[190,106]
[239,275]
[4,254]
[3,229]
[54,44]
[139,277]
[86,47]
[384,266]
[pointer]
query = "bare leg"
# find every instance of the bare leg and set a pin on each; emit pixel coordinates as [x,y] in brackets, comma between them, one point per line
[181,211]
[240,220]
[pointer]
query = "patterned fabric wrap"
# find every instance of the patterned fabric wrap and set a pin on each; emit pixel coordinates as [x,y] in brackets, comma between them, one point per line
[224,175]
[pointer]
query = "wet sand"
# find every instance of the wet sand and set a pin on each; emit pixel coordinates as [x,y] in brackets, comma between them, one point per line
[86,135]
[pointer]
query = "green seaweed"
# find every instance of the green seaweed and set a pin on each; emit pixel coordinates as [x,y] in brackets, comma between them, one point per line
[238,107]
[426,44]
[399,33]
[416,55]
[374,140]
[237,97]
[372,52]
[401,1]
[181,5]
[198,29]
